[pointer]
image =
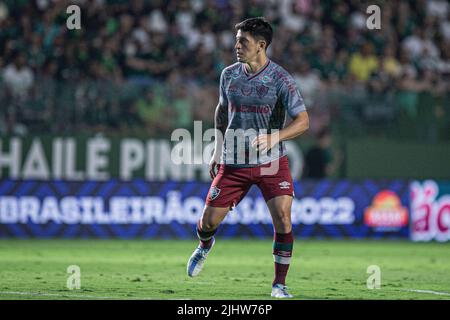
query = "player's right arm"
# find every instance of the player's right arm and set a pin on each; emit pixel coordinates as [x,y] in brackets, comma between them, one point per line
[220,125]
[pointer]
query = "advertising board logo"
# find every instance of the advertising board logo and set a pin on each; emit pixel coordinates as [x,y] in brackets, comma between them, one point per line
[386,211]
[430,211]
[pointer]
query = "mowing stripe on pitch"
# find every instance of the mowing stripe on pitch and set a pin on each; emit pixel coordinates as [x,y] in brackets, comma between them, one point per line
[52,295]
[75,296]
[428,291]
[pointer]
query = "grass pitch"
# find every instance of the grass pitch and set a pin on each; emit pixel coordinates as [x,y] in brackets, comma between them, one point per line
[235,269]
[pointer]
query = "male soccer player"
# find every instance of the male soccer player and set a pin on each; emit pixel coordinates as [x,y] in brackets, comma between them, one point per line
[255,94]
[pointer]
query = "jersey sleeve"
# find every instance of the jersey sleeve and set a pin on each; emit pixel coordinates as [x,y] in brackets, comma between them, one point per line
[291,97]
[223,99]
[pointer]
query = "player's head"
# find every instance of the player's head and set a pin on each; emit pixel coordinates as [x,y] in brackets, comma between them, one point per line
[253,37]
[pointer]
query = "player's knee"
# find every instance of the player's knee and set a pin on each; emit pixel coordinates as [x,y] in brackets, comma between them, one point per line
[208,225]
[210,219]
[284,219]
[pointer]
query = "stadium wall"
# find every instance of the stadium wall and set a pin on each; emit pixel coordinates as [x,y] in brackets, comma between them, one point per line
[374,158]
[100,158]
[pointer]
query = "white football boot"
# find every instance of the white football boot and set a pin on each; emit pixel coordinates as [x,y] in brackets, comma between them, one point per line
[197,260]
[280,291]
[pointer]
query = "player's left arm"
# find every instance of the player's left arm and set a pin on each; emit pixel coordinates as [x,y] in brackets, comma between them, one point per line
[291,98]
[298,126]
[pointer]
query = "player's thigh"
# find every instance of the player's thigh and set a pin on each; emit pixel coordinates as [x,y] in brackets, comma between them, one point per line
[229,187]
[279,183]
[280,208]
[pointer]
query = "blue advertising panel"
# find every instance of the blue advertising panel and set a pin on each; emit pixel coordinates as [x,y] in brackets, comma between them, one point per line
[143,209]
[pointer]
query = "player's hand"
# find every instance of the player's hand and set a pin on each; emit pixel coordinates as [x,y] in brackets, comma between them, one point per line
[213,167]
[265,142]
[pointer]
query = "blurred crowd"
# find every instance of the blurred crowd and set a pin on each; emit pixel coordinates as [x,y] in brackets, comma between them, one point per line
[148,67]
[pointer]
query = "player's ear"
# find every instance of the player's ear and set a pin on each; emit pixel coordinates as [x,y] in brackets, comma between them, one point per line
[262,45]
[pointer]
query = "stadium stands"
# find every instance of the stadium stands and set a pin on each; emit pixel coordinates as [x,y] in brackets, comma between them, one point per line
[135,62]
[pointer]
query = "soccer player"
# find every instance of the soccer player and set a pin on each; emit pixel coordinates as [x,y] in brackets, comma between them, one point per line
[255,94]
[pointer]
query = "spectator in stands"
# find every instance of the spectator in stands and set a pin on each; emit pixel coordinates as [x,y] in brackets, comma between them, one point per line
[320,162]
[130,47]
[437,8]
[416,44]
[408,86]
[364,62]
[389,63]
[308,81]
[18,77]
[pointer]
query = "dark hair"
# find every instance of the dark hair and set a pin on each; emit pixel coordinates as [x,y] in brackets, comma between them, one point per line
[257,27]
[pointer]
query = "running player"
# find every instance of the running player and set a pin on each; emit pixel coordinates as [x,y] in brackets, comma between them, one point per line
[255,95]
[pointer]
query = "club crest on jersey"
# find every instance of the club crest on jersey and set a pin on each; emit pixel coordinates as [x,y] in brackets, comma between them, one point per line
[262,90]
[246,90]
[284,185]
[214,193]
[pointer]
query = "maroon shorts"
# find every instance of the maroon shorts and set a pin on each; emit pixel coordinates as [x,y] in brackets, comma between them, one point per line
[232,183]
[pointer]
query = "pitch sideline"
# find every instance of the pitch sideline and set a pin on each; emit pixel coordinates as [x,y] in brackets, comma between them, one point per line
[428,291]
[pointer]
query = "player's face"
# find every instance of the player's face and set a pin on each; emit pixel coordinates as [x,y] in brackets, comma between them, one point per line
[247,48]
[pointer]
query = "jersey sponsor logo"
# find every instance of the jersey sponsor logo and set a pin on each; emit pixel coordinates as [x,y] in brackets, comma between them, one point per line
[262,90]
[214,193]
[284,185]
[250,108]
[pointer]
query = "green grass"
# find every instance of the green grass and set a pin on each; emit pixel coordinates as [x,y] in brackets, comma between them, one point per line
[235,269]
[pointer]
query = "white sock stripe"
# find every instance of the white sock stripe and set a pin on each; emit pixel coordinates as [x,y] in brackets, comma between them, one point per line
[282,260]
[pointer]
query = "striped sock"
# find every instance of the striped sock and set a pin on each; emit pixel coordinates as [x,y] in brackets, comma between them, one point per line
[205,237]
[282,253]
